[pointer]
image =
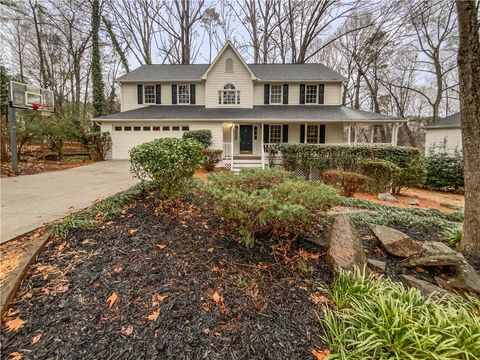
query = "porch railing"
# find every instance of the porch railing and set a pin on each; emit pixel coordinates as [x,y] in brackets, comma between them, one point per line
[227,151]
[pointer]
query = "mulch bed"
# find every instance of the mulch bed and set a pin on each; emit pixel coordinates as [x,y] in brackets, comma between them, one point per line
[40,166]
[168,282]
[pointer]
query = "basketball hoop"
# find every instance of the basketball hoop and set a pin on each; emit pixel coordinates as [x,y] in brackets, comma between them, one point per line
[36,106]
[31,97]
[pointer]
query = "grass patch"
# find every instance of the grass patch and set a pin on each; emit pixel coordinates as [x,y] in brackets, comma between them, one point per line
[380,319]
[106,209]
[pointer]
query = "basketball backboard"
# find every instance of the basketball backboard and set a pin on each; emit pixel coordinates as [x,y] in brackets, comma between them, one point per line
[25,96]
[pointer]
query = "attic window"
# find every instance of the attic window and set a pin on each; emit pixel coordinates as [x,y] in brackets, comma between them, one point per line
[229,65]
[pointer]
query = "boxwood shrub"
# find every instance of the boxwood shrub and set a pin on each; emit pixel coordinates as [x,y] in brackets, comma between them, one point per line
[382,174]
[269,204]
[203,136]
[445,172]
[213,157]
[168,163]
[348,182]
[307,157]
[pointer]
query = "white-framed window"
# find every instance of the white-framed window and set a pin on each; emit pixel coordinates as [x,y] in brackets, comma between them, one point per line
[185,128]
[229,96]
[156,128]
[275,134]
[165,128]
[229,65]
[311,92]
[313,134]
[275,93]
[184,94]
[255,132]
[149,94]
[118,128]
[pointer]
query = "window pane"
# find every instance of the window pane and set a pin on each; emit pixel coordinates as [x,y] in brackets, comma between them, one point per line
[149,94]
[185,128]
[275,94]
[146,128]
[275,133]
[166,128]
[311,94]
[156,128]
[184,94]
[127,128]
[175,128]
[137,128]
[118,128]
[312,134]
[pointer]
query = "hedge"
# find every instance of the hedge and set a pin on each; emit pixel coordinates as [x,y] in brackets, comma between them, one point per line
[308,157]
[445,172]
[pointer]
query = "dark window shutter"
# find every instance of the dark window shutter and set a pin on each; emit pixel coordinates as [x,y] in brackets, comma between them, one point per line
[139,94]
[322,134]
[266,94]
[266,133]
[321,93]
[285,134]
[192,94]
[158,94]
[302,133]
[174,93]
[302,93]
[285,93]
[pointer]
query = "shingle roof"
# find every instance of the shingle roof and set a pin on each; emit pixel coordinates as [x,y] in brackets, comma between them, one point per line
[326,113]
[447,122]
[264,72]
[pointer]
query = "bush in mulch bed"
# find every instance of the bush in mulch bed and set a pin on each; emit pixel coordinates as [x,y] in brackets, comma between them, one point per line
[168,282]
[379,319]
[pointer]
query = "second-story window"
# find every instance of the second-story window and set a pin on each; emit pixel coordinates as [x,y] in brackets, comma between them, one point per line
[275,134]
[149,97]
[229,96]
[311,94]
[183,94]
[275,94]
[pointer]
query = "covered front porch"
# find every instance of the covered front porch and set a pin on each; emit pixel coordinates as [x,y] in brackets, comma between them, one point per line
[250,144]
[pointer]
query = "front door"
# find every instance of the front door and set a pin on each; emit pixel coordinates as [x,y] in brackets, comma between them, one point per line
[246,139]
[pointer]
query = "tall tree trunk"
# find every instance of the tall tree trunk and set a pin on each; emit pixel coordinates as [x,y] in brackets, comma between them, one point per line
[98,96]
[469,76]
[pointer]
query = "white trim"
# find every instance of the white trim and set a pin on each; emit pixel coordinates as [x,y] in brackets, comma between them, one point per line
[154,94]
[270,94]
[228,44]
[286,121]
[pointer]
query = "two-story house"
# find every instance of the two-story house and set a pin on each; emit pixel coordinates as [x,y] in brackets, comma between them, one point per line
[247,107]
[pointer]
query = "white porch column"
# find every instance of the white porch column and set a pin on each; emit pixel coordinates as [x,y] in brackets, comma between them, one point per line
[355,133]
[349,140]
[372,133]
[262,147]
[394,127]
[232,129]
[397,127]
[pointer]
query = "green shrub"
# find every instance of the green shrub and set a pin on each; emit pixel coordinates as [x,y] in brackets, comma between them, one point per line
[453,236]
[213,157]
[348,182]
[268,204]
[99,144]
[382,174]
[380,319]
[307,157]
[445,172]
[168,163]
[202,136]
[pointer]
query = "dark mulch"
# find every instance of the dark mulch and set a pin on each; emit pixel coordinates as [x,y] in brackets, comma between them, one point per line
[263,309]
[40,166]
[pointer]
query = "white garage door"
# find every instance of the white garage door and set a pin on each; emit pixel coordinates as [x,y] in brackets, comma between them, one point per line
[125,137]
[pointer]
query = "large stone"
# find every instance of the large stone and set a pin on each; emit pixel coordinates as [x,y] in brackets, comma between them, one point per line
[396,242]
[425,287]
[376,265]
[345,249]
[387,197]
[465,279]
[435,253]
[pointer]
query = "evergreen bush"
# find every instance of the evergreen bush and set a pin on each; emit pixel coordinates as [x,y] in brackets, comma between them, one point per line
[382,175]
[202,136]
[445,172]
[348,182]
[213,157]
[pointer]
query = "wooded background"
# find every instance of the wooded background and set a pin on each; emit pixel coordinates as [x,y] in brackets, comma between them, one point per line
[399,56]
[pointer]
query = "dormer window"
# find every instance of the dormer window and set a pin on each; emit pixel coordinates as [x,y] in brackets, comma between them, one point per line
[229,96]
[229,65]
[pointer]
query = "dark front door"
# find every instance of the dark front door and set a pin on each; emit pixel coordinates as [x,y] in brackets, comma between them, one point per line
[246,136]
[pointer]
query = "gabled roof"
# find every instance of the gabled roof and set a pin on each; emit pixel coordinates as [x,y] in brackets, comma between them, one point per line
[451,121]
[297,72]
[228,45]
[165,72]
[289,113]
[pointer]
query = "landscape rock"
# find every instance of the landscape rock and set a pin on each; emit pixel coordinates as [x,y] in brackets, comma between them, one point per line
[387,197]
[344,246]
[425,287]
[396,242]
[376,265]
[435,253]
[465,279]
[414,202]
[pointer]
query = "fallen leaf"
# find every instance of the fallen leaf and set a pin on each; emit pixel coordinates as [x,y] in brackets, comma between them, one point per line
[210,250]
[87,241]
[15,356]
[14,324]
[157,299]
[216,297]
[320,354]
[206,330]
[36,338]
[127,330]
[117,269]
[132,231]
[61,289]
[318,298]
[112,299]
[154,316]
[161,246]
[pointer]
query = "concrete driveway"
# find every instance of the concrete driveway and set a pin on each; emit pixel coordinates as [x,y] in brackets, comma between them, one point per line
[29,201]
